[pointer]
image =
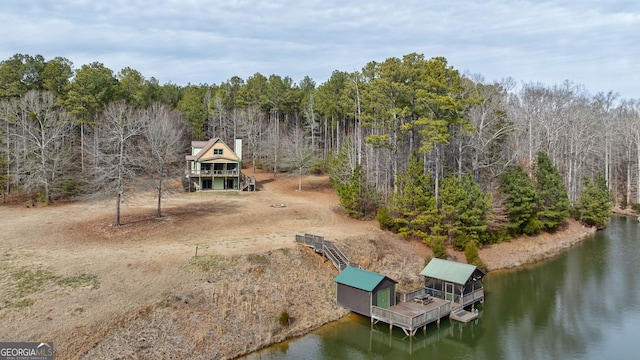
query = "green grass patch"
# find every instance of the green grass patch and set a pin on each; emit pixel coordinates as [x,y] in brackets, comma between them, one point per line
[26,302]
[26,281]
[21,283]
[257,259]
[206,263]
[77,311]
[80,281]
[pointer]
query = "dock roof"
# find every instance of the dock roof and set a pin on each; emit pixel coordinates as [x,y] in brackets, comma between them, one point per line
[360,279]
[450,271]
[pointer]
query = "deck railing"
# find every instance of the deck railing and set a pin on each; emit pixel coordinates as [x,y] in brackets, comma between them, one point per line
[215,172]
[467,299]
[409,322]
[408,296]
[314,241]
[473,297]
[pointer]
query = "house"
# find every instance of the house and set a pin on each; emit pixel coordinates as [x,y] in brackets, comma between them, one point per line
[454,281]
[213,165]
[358,290]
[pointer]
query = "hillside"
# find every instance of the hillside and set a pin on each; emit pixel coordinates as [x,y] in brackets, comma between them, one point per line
[139,290]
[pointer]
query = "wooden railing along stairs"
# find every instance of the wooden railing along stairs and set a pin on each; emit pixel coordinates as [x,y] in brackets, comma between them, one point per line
[328,249]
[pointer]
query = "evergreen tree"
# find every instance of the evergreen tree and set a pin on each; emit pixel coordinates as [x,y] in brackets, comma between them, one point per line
[357,201]
[595,203]
[464,209]
[414,202]
[195,106]
[552,194]
[521,202]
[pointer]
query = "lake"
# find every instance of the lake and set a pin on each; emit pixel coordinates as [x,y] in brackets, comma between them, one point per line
[582,304]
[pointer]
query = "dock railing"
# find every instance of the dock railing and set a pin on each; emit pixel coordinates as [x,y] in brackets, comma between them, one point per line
[467,299]
[411,323]
[409,296]
[473,297]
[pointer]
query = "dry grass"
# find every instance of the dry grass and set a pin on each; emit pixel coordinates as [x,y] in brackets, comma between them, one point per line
[233,309]
[138,291]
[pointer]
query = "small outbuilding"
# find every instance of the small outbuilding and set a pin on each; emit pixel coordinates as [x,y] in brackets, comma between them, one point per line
[358,290]
[454,281]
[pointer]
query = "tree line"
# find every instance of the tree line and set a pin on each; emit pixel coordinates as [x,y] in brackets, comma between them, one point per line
[401,125]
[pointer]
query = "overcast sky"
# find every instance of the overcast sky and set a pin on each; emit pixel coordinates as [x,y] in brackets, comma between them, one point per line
[589,42]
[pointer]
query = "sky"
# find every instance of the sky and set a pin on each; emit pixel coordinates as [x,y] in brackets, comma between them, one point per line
[591,43]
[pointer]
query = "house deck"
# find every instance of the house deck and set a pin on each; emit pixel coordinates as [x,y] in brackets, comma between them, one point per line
[412,315]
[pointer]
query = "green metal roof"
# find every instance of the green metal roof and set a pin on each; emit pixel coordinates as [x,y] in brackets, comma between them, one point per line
[359,279]
[450,271]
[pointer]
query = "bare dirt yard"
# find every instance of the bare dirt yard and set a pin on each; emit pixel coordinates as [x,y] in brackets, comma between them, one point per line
[139,290]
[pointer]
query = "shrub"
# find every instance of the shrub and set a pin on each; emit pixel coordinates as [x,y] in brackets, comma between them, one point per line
[284,318]
[384,218]
[438,247]
[471,254]
[496,236]
[636,207]
[460,240]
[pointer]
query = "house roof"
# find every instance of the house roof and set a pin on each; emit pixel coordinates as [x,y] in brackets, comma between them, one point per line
[360,279]
[450,271]
[205,146]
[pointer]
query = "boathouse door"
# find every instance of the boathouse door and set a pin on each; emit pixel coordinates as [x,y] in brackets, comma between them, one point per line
[448,291]
[384,297]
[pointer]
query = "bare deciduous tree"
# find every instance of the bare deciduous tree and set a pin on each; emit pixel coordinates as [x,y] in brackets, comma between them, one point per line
[164,132]
[118,154]
[43,129]
[251,123]
[298,155]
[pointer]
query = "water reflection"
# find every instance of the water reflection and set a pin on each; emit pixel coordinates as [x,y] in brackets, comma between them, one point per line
[584,304]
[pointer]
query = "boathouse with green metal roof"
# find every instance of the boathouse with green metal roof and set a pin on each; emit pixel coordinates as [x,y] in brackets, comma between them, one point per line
[454,281]
[358,290]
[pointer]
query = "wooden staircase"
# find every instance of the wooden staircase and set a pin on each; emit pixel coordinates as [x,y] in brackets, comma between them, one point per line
[247,183]
[328,249]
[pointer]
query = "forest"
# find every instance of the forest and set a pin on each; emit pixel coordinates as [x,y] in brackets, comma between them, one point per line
[432,153]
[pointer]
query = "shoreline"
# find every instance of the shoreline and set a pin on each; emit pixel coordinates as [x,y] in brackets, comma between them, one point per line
[526,250]
[508,255]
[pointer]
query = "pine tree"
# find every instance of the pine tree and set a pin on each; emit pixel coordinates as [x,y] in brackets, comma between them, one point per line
[464,210]
[595,203]
[521,202]
[414,202]
[552,194]
[350,193]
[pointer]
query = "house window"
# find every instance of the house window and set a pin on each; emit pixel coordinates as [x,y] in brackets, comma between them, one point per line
[217,151]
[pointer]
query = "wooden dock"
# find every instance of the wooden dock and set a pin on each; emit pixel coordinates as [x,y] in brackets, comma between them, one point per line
[460,314]
[412,315]
[412,310]
[419,312]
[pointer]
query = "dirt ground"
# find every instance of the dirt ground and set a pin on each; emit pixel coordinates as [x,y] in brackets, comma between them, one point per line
[139,291]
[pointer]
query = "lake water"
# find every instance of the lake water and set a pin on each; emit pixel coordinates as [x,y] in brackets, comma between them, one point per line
[583,304]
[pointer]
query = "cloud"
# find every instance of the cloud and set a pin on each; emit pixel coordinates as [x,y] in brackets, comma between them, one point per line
[589,42]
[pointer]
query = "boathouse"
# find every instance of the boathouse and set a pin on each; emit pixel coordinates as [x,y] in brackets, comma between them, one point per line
[359,290]
[457,282]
